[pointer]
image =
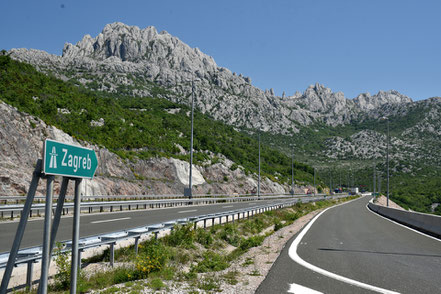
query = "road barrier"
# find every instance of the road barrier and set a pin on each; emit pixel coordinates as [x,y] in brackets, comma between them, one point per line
[31,255]
[84,198]
[427,223]
[13,210]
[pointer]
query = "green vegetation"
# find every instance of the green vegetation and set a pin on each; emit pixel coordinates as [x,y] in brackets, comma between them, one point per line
[144,127]
[185,255]
[417,193]
[133,127]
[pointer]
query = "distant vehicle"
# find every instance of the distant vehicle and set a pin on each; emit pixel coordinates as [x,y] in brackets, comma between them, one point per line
[354,191]
[338,190]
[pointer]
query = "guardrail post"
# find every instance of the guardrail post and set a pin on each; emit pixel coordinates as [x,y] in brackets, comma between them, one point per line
[80,251]
[112,254]
[29,273]
[205,223]
[136,244]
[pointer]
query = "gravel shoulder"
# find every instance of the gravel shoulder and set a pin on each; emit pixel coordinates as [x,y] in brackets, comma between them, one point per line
[382,200]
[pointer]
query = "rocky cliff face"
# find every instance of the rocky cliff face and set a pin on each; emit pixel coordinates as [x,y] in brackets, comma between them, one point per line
[129,60]
[21,143]
[415,135]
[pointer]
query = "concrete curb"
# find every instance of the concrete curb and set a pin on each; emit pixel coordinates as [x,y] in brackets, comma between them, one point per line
[426,223]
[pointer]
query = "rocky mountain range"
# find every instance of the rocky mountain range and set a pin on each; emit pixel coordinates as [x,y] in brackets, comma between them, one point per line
[128,60]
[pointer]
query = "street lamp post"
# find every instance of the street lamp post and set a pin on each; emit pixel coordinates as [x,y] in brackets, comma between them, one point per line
[187,191]
[258,181]
[387,160]
[374,178]
[330,182]
[292,173]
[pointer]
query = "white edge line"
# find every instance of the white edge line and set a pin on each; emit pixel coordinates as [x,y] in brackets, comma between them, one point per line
[401,225]
[110,220]
[294,256]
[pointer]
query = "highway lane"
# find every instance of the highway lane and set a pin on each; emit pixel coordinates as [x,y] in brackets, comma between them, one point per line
[351,241]
[99,223]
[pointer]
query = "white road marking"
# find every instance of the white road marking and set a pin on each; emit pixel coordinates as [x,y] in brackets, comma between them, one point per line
[299,289]
[294,256]
[185,211]
[404,226]
[227,206]
[110,220]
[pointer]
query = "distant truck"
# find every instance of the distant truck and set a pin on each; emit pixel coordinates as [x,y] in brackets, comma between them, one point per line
[354,191]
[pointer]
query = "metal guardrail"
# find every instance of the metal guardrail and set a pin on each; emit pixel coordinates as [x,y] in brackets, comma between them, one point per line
[16,198]
[31,255]
[11,209]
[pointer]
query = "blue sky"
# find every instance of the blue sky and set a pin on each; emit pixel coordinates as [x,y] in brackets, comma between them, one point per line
[350,46]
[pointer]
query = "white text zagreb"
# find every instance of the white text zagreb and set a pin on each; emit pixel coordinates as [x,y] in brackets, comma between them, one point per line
[77,162]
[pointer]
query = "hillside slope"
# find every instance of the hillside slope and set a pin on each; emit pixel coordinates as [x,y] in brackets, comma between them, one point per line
[134,139]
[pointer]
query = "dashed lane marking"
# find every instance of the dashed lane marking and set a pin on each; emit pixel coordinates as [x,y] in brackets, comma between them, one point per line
[299,289]
[110,220]
[185,211]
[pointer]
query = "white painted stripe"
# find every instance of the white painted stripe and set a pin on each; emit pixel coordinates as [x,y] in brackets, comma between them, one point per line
[299,289]
[110,220]
[185,211]
[227,206]
[294,256]
[404,226]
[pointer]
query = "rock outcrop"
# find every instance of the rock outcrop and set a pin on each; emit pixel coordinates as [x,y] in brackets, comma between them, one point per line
[132,61]
[21,143]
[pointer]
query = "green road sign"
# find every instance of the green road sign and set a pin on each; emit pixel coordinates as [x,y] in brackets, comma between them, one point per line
[68,160]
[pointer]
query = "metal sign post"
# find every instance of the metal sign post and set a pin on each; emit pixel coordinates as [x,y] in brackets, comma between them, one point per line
[73,163]
[21,227]
[75,238]
[46,236]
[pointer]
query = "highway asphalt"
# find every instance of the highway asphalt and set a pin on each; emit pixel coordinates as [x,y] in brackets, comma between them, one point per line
[100,223]
[351,241]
